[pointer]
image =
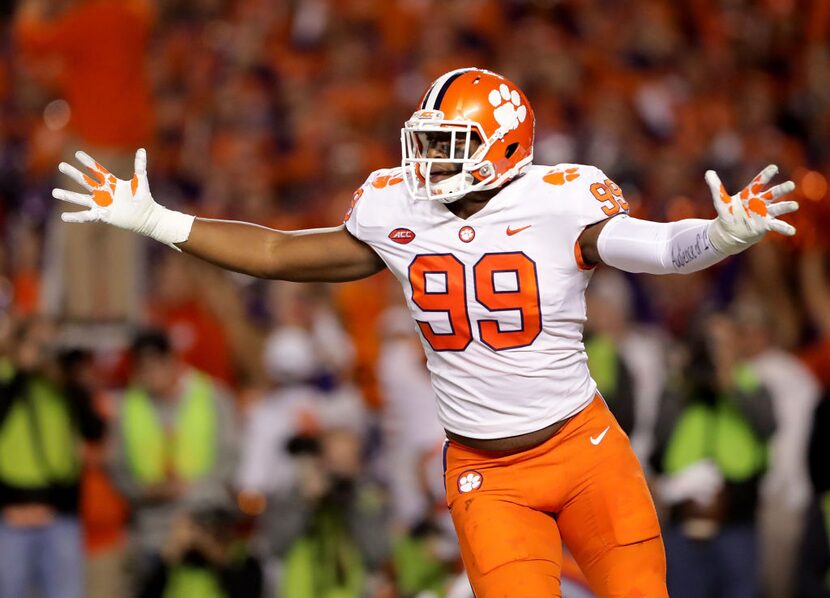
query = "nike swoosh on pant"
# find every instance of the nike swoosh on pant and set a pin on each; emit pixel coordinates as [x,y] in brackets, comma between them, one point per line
[598,439]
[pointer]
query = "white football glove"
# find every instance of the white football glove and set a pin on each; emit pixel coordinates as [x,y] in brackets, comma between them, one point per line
[125,204]
[746,217]
[699,482]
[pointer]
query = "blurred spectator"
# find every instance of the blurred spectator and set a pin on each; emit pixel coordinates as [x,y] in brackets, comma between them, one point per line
[604,331]
[173,445]
[613,379]
[105,101]
[408,416]
[426,554]
[786,486]
[290,409]
[814,556]
[103,511]
[306,358]
[425,549]
[712,437]
[815,287]
[627,359]
[203,558]
[44,413]
[25,278]
[107,91]
[179,305]
[425,558]
[331,527]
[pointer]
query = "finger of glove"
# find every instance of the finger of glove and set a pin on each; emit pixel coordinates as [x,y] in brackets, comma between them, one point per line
[141,162]
[76,175]
[87,216]
[781,227]
[715,186]
[764,176]
[139,181]
[72,197]
[90,163]
[781,208]
[720,197]
[778,191]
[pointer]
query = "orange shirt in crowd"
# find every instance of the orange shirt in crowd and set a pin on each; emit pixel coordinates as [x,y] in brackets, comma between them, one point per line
[817,358]
[26,292]
[197,336]
[104,512]
[361,303]
[101,46]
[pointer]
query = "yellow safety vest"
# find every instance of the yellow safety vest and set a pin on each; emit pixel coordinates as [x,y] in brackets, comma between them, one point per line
[825,510]
[38,440]
[193,582]
[719,432]
[603,363]
[189,450]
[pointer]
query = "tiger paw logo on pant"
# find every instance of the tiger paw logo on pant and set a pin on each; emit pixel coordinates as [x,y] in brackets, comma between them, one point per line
[469,480]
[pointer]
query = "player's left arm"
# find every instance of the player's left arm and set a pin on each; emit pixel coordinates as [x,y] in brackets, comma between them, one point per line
[692,244]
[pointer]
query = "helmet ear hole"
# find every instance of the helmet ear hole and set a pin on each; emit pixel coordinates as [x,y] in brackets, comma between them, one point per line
[511,149]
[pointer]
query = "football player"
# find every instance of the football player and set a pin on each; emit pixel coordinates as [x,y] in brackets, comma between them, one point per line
[494,254]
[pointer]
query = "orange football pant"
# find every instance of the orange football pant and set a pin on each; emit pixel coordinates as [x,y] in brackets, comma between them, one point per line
[583,486]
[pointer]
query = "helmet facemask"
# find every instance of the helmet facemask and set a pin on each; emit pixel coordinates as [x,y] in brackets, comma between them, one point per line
[433,148]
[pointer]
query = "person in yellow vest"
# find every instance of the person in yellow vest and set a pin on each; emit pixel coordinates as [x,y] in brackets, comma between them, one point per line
[205,558]
[612,376]
[711,449]
[330,527]
[173,447]
[43,419]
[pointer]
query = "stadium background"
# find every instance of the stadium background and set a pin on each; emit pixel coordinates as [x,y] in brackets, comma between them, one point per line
[275,112]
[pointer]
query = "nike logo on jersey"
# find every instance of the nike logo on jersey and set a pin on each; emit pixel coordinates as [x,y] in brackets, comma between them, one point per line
[513,231]
[598,439]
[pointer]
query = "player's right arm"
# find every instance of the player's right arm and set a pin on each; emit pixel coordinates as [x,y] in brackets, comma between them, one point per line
[320,255]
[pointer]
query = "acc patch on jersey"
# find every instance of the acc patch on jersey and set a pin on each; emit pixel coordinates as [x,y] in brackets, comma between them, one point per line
[470,480]
[402,236]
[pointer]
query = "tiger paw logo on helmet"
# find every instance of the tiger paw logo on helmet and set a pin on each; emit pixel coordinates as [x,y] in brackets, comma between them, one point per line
[509,110]
[469,481]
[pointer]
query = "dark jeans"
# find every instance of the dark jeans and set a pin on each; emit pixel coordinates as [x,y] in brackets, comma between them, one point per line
[724,567]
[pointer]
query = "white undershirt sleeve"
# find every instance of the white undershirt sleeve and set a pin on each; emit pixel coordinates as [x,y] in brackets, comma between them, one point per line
[635,245]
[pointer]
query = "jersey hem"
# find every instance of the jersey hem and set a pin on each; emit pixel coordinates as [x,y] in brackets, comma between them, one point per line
[533,428]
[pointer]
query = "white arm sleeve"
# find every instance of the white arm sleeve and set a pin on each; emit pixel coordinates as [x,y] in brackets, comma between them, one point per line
[636,245]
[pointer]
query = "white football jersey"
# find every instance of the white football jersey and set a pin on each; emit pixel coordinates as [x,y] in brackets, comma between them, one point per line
[499,297]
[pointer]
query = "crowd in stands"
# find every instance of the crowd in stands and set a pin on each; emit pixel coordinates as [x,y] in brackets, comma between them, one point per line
[202,433]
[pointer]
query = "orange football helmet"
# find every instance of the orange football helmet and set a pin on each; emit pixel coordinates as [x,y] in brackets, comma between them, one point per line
[477,126]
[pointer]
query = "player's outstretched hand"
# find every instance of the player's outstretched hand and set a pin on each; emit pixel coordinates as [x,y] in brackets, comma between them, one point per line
[744,218]
[125,204]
